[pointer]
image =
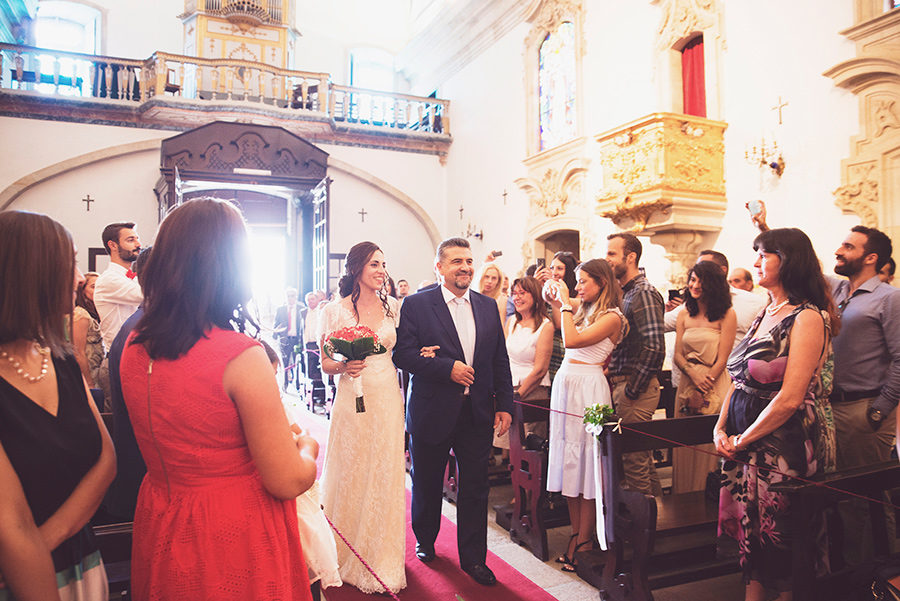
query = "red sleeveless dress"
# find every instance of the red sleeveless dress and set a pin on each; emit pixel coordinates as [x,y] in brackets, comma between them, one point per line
[204,527]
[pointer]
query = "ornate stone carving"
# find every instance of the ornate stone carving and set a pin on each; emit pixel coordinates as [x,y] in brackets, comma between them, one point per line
[681,18]
[884,115]
[551,15]
[860,195]
[550,195]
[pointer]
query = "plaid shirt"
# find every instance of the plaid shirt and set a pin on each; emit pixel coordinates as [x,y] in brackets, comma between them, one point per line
[640,355]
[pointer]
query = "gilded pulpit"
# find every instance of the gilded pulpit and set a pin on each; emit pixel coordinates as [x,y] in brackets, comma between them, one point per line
[664,175]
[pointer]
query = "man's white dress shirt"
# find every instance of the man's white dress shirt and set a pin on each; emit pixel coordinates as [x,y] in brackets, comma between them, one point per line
[116,297]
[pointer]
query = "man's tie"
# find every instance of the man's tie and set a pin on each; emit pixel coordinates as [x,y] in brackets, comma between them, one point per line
[463,319]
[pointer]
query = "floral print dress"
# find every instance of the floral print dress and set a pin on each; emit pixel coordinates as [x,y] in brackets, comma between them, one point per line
[803,446]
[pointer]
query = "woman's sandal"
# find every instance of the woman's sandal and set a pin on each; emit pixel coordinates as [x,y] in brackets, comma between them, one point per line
[565,558]
[571,566]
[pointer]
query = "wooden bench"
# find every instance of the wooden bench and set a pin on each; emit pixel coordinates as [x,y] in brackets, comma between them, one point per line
[535,510]
[811,498]
[677,531]
[114,542]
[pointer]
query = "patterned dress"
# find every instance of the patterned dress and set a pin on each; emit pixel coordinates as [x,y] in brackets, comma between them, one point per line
[749,512]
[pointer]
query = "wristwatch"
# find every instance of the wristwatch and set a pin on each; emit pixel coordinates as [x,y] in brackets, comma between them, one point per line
[566,307]
[874,415]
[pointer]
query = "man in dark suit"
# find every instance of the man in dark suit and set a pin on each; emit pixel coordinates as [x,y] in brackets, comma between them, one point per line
[456,399]
[288,329]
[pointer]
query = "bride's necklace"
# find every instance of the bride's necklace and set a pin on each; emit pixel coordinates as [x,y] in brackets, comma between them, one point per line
[20,371]
[773,309]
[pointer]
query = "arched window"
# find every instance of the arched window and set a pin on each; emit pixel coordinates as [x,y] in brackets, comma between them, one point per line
[557,86]
[68,26]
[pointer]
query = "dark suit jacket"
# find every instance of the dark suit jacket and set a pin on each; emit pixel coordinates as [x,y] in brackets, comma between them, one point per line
[434,400]
[281,319]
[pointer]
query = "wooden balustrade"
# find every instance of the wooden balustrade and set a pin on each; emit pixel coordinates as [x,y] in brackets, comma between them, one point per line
[69,73]
[171,77]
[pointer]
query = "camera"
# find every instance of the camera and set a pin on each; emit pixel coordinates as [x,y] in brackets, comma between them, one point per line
[674,293]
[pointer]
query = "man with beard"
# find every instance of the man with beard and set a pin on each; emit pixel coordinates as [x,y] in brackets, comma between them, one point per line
[636,361]
[117,294]
[460,394]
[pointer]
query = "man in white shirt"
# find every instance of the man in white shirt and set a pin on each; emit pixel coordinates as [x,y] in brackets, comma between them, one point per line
[117,294]
[746,305]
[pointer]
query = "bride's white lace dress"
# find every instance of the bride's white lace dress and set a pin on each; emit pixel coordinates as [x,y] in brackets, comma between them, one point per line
[363,481]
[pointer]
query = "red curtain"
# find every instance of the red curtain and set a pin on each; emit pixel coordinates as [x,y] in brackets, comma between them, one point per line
[692,81]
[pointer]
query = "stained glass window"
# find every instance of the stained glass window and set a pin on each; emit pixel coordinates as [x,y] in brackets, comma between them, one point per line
[556,81]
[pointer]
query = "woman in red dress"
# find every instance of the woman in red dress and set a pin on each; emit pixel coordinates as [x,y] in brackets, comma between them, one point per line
[216,516]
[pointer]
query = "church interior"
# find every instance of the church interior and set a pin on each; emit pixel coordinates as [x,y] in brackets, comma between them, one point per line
[526,127]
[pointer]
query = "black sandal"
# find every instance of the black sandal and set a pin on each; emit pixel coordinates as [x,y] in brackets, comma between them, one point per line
[570,566]
[565,558]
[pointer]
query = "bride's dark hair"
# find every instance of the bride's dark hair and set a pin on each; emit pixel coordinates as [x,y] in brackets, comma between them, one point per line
[357,258]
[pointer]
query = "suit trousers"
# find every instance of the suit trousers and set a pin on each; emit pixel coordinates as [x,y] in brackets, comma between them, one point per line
[640,473]
[858,445]
[471,444]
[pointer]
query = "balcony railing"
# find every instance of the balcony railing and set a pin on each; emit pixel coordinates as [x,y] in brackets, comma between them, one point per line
[173,78]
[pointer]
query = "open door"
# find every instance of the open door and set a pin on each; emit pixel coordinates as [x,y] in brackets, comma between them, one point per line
[320,235]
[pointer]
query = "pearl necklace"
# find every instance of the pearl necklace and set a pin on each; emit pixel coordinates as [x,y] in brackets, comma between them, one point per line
[20,371]
[773,309]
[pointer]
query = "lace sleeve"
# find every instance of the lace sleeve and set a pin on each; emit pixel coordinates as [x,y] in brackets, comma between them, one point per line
[394,306]
[327,319]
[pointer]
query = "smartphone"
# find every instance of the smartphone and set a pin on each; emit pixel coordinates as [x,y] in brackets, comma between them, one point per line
[674,293]
[754,207]
[541,262]
[497,253]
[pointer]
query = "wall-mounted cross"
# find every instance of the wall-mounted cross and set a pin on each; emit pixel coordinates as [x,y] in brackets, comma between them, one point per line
[362,214]
[461,209]
[505,194]
[88,200]
[778,108]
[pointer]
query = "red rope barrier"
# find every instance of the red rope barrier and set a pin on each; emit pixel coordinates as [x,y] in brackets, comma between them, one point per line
[744,463]
[363,561]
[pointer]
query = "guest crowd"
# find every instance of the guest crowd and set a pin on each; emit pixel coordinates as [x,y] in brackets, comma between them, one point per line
[802,369]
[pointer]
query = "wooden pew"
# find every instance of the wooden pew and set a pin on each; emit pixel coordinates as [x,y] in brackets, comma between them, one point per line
[114,542]
[813,499]
[535,510]
[678,532]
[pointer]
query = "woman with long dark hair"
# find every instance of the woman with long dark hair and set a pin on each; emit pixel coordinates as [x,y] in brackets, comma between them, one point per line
[56,458]
[86,338]
[216,516]
[775,422]
[704,335]
[364,480]
[590,334]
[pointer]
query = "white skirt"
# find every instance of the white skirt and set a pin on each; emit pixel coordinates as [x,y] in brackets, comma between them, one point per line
[573,467]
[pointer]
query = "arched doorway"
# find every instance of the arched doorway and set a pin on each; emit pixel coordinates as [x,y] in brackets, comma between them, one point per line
[277,178]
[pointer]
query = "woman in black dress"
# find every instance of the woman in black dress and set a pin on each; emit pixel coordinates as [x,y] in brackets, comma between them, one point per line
[56,458]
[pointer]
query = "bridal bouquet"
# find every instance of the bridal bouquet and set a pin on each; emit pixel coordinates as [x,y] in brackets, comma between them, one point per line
[354,344]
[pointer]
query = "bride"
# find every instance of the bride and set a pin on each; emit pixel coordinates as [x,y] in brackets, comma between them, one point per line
[363,480]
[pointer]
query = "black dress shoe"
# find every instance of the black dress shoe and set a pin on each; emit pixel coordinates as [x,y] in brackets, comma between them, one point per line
[425,553]
[481,574]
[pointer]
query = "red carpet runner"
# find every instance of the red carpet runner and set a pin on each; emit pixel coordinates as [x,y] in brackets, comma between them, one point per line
[442,579]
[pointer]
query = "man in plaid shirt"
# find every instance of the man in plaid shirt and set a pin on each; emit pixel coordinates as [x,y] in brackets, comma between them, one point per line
[638,358]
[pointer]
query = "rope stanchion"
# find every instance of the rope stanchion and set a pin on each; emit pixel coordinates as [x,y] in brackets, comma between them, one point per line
[619,426]
[362,561]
